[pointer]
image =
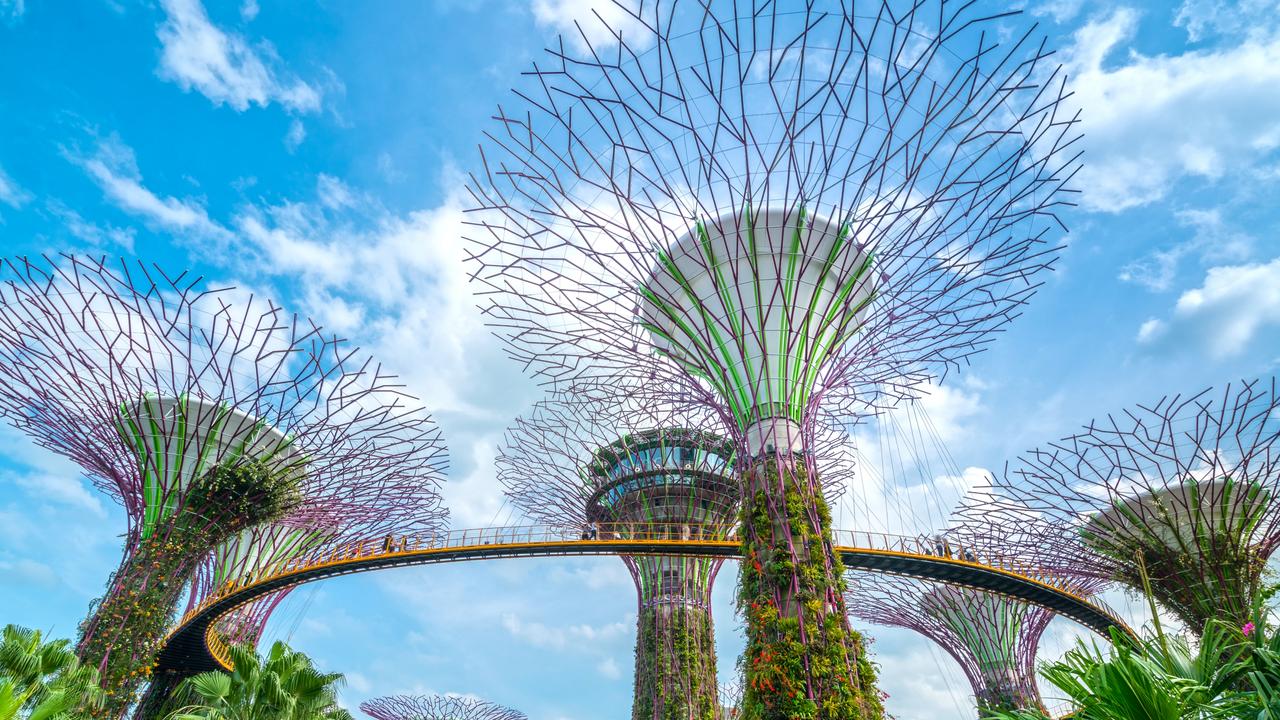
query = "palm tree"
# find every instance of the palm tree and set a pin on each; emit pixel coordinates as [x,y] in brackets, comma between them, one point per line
[283,685]
[43,680]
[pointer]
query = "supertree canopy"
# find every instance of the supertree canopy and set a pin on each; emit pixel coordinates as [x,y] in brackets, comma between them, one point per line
[777,210]
[204,419]
[437,707]
[1177,496]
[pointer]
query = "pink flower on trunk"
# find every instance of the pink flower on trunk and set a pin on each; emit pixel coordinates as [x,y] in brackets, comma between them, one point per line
[1248,629]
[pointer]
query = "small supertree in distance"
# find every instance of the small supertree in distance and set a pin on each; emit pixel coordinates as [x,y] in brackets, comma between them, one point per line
[637,469]
[204,418]
[994,638]
[616,463]
[779,210]
[437,707]
[1176,497]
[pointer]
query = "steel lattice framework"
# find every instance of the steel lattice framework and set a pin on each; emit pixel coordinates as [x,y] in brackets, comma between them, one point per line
[772,210]
[203,418]
[437,707]
[1181,491]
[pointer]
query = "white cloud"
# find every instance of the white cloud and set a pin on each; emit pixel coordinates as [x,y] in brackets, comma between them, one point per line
[575,19]
[951,407]
[1202,18]
[1225,313]
[1212,240]
[297,133]
[11,193]
[923,682]
[421,304]
[359,683]
[1150,330]
[905,480]
[609,668]
[99,236]
[29,572]
[223,66]
[577,637]
[63,489]
[249,10]
[115,169]
[1149,121]
[1060,10]
[11,10]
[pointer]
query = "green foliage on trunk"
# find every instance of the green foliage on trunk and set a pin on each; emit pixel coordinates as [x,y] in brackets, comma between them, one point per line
[122,637]
[675,665]
[802,659]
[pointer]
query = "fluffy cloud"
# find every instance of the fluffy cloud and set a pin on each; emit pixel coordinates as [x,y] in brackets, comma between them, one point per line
[297,133]
[11,193]
[99,236]
[1202,18]
[115,169]
[222,66]
[925,682]
[906,481]
[62,489]
[11,10]
[1224,314]
[1149,121]
[575,19]
[420,306]
[562,637]
[1212,239]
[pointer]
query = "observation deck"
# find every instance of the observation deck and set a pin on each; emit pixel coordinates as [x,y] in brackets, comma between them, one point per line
[194,645]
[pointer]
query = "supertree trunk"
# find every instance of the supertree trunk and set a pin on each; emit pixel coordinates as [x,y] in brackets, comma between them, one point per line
[122,635]
[675,664]
[802,659]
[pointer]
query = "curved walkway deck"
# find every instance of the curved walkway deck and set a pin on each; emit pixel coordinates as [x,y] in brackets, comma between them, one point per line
[194,646]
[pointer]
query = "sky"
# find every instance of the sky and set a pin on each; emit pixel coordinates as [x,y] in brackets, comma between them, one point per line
[316,154]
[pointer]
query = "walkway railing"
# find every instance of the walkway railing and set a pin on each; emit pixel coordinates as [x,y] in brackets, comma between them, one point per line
[680,538]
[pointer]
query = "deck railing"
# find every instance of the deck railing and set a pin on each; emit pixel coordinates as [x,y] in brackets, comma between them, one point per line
[605,535]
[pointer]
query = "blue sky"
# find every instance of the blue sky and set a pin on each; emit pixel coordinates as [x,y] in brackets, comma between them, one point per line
[316,154]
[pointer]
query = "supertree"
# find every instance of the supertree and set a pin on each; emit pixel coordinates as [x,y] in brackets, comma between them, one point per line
[637,469]
[616,462]
[437,707]
[775,209]
[992,637]
[203,418]
[1175,497]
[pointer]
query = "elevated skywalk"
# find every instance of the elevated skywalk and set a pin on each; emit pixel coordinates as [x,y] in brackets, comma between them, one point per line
[194,645]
